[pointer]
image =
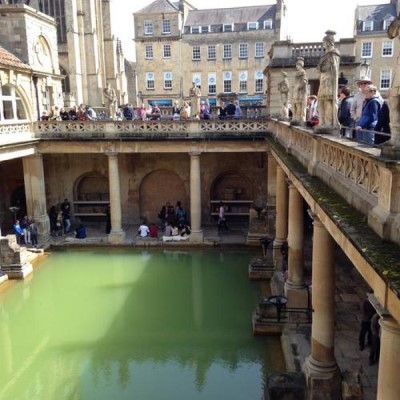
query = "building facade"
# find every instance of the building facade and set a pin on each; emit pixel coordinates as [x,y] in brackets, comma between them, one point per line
[223,51]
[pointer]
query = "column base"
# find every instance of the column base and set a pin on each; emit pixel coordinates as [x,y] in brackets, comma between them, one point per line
[116,237]
[196,236]
[298,297]
[324,380]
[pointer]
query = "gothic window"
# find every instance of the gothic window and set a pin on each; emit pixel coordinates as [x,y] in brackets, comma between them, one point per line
[56,9]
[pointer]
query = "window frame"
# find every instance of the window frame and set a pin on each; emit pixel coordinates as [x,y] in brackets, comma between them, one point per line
[227,52]
[168,23]
[148,86]
[210,52]
[195,29]
[212,86]
[246,52]
[147,24]
[252,25]
[196,50]
[165,86]
[166,45]
[371,44]
[258,83]
[16,104]
[256,52]
[148,52]
[391,48]
[228,27]
[388,79]
[243,83]
[268,24]
[368,25]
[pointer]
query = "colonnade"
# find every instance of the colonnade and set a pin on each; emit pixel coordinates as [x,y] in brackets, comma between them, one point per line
[34,181]
[321,369]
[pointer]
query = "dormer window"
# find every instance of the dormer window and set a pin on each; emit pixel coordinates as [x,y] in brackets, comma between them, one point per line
[268,24]
[368,26]
[228,27]
[205,29]
[195,29]
[386,23]
[252,26]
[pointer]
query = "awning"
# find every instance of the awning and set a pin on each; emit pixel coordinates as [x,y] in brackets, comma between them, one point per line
[161,102]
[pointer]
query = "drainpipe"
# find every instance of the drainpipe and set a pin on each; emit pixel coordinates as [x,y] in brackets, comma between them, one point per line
[35,84]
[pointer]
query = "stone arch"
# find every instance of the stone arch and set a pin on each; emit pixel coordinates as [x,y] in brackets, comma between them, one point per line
[91,186]
[156,189]
[231,185]
[43,51]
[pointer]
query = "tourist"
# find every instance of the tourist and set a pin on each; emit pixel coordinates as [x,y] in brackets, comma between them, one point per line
[221,217]
[230,110]
[55,114]
[64,114]
[176,111]
[153,230]
[142,112]
[238,110]
[184,230]
[80,232]
[344,113]
[66,215]
[33,229]
[168,229]
[128,112]
[180,214]
[73,114]
[18,231]
[383,124]
[376,340]
[312,111]
[143,230]
[185,111]
[174,230]
[222,110]
[155,113]
[370,114]
[24,223]
[90,113]
[59,223]
[367,311]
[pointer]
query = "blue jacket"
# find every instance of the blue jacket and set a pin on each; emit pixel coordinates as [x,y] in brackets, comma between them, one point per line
[370,113]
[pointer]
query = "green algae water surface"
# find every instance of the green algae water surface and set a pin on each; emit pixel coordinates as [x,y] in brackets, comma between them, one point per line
[127,324]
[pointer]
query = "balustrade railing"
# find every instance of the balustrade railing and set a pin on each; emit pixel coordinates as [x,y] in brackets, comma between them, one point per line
[11,132]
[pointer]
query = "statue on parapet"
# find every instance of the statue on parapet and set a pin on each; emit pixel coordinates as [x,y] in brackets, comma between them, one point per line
[110,101]
[328,68]
[283,88]
[299,92]
[195,95]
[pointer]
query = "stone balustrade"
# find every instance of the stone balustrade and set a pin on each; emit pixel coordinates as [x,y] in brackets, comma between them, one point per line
[355,171]
[13,132]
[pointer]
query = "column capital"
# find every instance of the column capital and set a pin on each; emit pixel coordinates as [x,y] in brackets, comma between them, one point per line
[194,153]
[390,325]
[111,153]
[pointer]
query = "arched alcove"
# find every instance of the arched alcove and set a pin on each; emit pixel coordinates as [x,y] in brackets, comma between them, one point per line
[91,195]
[156,189]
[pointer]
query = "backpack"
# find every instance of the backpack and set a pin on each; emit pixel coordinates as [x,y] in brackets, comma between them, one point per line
[128,113]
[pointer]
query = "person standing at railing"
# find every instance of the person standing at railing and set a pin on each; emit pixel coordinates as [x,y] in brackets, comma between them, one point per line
[370,114]
[383,124]
[344,114]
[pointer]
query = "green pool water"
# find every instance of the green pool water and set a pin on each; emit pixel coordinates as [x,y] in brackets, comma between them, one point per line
[127,324]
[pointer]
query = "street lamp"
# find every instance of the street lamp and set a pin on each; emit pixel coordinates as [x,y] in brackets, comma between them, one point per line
[364,69]
[14,210]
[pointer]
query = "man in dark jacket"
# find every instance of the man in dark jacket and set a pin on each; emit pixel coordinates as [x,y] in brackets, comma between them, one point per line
[344,115]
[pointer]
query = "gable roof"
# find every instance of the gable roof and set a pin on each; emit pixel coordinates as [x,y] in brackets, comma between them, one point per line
[230,15]
[159,6]
[9,60]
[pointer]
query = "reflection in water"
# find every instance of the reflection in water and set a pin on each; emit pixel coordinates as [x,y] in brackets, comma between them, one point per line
[126,324]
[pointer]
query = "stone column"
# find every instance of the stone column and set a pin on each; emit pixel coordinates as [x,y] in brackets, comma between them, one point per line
[271,194]
[35,193]
[281,222]
[320,368]
[389,360]
[295,289]
[117,235]
[195,198]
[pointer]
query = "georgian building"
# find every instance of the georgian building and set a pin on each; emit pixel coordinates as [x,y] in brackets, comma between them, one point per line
[224,51]
[375,52]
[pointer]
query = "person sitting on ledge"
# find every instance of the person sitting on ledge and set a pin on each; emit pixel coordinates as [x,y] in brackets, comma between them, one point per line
[80,232]
[143,230]
[153,229]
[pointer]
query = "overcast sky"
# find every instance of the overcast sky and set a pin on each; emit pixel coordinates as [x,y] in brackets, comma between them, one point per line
[308,19]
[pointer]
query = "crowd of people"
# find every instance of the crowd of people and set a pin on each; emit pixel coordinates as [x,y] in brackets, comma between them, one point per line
[26,231]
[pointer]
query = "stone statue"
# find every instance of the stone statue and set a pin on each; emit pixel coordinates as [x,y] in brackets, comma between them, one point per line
[110,101]
[195,95]
[283,87]
[328,68]
[299,95]
[394,98]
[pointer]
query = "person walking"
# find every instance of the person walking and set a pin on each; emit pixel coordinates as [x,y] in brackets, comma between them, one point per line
[221,217]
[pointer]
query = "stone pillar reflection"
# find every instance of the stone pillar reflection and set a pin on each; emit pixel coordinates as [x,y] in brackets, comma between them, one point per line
[295,289]
[35,193]
[281,222]
[117,235]
[197,292]
[195,198]
[321,370]
[389,361]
